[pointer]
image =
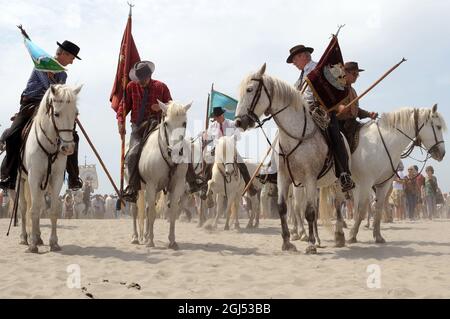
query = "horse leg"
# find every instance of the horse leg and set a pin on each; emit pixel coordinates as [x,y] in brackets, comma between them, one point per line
[380,198]
[283,184]
[174,207]
[235,212]
[227,204]
[219,207]
[37,202]
[339,236]
[257,209]
[311,213]
[134,212]
[360,197]
[250,212]
[151,215]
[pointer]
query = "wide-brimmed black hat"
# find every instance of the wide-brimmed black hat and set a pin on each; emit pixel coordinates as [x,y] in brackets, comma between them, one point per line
[298,49]
[217,111]
[142,70]
[352,66]
[70,47]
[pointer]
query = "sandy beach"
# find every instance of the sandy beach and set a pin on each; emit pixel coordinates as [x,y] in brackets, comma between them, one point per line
[219,264]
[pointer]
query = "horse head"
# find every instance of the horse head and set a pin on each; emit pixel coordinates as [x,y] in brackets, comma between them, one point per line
[174,126]
[431,134]
[226,154]
[254,100]
[57,117]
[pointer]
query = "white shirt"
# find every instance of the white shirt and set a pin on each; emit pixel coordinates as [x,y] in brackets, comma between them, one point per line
[228,129]
[306,70]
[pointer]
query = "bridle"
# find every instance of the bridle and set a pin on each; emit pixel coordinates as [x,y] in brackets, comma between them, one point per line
[415,142]
[51,156]
[167,158]
[227,177]
[269,112]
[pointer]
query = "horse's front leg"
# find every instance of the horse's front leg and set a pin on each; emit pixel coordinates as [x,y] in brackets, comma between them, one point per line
[360,197]
[55,188]
[151,214]
[283,190]
[339,236]
[381,193]
[22,209]
[37,203]
[311,215]
[235,211]
[134,212]
[227,204]
[174,207]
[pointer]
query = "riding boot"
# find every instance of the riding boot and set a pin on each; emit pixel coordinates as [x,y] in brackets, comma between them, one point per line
[340,155]
[246,175]
[73,171]
[196,182]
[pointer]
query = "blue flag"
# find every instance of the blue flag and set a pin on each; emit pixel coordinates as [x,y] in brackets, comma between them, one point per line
[41,59]
[224,101]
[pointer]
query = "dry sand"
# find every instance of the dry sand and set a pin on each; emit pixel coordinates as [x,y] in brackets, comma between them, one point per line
[415,263]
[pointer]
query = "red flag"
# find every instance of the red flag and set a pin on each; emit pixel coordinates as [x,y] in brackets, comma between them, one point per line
[128,57]
[327,80]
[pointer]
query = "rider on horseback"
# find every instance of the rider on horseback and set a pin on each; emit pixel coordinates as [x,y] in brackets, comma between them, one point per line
[347,116]
[11,139]
[142,97]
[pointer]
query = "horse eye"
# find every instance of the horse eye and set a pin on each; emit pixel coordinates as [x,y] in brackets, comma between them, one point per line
[184,124]
[439,127]
[249,90]
[56,114]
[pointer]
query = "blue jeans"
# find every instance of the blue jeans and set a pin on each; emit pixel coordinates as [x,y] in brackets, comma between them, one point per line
[411,201]
[431,205]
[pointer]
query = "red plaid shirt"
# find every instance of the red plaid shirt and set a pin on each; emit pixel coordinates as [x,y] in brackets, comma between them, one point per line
[135,92]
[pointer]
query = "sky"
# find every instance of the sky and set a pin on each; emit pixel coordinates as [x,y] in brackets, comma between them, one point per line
[195,43]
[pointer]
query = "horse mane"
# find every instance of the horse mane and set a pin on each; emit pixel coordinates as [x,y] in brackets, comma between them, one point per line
[287,93]
[404,119]
[175,110]
[64,92]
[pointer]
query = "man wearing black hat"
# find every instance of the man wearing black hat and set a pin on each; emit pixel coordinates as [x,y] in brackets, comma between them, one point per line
[31,97]
[347,116]
[142,94]
[225,127]
[300,56]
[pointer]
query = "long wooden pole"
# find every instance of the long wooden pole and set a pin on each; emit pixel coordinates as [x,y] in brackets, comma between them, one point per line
[260,165]
[100,160]
[372,86]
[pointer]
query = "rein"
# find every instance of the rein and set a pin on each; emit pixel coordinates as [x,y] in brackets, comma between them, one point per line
[415,142]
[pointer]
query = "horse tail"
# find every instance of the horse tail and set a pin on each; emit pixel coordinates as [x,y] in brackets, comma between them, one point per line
[326,207]
[140,205]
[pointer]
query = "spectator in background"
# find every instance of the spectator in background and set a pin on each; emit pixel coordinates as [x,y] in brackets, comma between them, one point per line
[420,180]
[398,194]
[430,190]
[412,192]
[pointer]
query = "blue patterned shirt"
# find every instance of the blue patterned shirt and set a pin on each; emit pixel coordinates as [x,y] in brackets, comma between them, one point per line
[39,82]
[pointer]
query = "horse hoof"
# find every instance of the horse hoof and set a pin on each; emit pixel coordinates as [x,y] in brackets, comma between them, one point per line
[249,226]
[311,250]
[135,242]
[380,240]
[352,241]
[304,238]
[55,247]
[174,246]
[226,227]
[344,225]
[237,227]
[295,237]
[39,242]
[23,242]
[150,244]
[339,239]
[32,250]
[288,247]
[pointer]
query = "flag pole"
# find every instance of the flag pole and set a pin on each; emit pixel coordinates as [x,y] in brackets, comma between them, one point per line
[260,165]
[371,87]
[99,159]
[124,116]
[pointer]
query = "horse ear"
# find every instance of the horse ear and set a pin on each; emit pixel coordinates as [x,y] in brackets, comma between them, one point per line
[434,108]
[162,106]
[77,89]
[262,70]
[187,107]
[53,89]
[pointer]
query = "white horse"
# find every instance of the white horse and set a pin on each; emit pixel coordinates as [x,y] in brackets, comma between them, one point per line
[161,166]
[226,182]
[378,154]
[49,143]
[302,146]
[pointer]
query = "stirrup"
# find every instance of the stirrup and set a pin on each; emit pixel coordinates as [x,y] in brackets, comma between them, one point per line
[129,195]
[347,183]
